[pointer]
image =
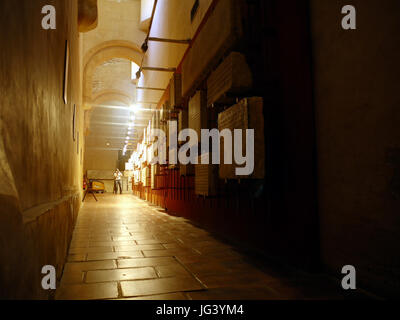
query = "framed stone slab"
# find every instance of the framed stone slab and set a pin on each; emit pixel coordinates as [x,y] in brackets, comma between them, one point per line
[74,123]
[197,113]
[233,76]
[206,178]
[66,72]
[247,114]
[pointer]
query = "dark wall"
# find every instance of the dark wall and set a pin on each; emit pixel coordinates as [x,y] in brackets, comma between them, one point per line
[290,132]
[357,102]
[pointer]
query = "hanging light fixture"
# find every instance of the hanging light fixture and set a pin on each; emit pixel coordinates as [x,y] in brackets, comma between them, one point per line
[138,74]
[145,46]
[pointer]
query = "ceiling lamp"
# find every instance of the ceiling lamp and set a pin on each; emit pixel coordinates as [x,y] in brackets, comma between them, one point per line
[145,46]
[138,74]
[135,108]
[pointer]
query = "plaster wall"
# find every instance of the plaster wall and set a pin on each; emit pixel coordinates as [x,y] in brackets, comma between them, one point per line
[146,9]
[41,163]
[118,20]
[101,159]
[357,102]
[171,21]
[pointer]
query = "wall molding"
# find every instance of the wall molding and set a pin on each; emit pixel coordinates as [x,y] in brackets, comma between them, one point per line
[32,214]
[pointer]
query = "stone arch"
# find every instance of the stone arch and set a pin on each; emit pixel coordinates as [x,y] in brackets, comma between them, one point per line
[105,96]
[102,53]
[112,95]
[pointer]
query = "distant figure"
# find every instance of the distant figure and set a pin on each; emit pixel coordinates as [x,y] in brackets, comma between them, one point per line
[117,181]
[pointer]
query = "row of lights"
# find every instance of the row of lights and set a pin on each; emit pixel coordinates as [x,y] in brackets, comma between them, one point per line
[134,109]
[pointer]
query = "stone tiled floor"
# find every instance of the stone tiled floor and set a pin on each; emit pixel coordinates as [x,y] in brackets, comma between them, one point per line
[124,248]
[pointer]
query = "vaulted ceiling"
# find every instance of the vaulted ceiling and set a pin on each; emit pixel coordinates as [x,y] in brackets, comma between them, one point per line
[107,52]
[109,91]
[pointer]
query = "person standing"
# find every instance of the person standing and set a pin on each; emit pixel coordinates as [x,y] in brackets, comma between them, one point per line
[117,181]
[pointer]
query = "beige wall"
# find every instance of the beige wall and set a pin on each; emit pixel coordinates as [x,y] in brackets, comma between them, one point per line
[40,163]
[357,116]
[101,159]
[117,21]
[171,20]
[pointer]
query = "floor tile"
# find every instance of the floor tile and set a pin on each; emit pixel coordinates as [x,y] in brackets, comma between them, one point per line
[114,255]
[171,270]
[123,248]
[161,297]
[120,274]
[88,266]
[167,252]
[145,262]
[90,250]
[139,247]
[76,257]
[72,277]
[159,286]
[95,291]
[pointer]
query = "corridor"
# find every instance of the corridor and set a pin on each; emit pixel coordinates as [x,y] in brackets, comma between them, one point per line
[254,146]
[126,248]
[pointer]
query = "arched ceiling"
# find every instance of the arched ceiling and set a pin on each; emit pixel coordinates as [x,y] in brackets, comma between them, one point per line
[103,55]
[107,52]
[108,90]
[114,74]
